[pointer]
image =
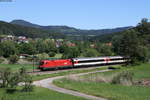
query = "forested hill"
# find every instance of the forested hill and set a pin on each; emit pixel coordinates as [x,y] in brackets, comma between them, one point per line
[18,30]
[23,28]
[143,30]
[70,30]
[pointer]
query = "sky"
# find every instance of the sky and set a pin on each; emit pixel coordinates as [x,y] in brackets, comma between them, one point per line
[82,14]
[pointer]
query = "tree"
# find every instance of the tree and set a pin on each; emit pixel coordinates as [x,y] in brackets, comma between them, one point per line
[43,56]
[143,53]
[27,48]
[63,48]
[5,74]
[129,44]
[72,52]
[13,59]
[8,48]
[91,53]
[116,41]
[40,46]
[45,46]
[26,79]
[134,43]
[104,50]
[10,80]
[143,27]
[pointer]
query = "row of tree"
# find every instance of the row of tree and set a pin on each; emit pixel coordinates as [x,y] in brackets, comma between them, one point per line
[40,46]
[134,43]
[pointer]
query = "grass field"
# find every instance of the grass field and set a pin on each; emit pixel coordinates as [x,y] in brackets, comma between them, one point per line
[38,94]
[111,91]
[15,67]
[140,71]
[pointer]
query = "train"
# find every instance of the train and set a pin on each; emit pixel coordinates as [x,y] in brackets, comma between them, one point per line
[81,62]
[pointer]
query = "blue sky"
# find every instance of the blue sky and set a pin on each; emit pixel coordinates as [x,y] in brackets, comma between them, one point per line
[83,14]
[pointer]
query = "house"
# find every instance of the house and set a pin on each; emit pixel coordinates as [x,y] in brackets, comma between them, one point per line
[69,44]
[93,46]
[7,38]
[22,39]
[59,42]
[109,44]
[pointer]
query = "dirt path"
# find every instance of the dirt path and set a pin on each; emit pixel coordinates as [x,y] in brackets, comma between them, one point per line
[48,83]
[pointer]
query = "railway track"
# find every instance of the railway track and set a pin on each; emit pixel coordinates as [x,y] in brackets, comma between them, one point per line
[39,72]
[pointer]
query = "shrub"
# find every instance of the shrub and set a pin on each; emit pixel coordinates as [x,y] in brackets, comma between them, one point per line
[13,59]
[26,79]
[51,54]
[91,53]
[10,80]
[1,60]
[28,87]
[14,79]
[124,78]
[5,74]
[5,97]
[22,71]
[43,56]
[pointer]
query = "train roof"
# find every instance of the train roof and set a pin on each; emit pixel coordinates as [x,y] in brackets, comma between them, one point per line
[95,58]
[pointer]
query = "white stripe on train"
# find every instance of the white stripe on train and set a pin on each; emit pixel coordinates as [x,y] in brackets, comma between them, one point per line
[104,62]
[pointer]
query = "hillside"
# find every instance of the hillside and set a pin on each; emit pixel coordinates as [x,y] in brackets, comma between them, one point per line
[70,30]
[13,29]
[21,27]
[25,23]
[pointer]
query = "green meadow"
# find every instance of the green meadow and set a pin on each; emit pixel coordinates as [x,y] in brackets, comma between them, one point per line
[112,91]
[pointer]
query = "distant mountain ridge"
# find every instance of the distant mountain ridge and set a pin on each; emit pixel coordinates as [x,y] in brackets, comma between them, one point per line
[20,30]
[70,30]
[25,23]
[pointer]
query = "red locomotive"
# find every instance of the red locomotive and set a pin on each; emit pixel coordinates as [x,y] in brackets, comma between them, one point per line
[79,62]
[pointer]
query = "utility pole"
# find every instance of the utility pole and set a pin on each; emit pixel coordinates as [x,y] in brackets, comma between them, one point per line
[33,62]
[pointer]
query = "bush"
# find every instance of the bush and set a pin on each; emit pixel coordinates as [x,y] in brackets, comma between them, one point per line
[26,79]
[91,53]
[51,54]
[5,97]
[124,78]
[28,87]
[43,56]
[5,74]
[13,59]
[14,79]
[1,60]
[71,52]
[10,80]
